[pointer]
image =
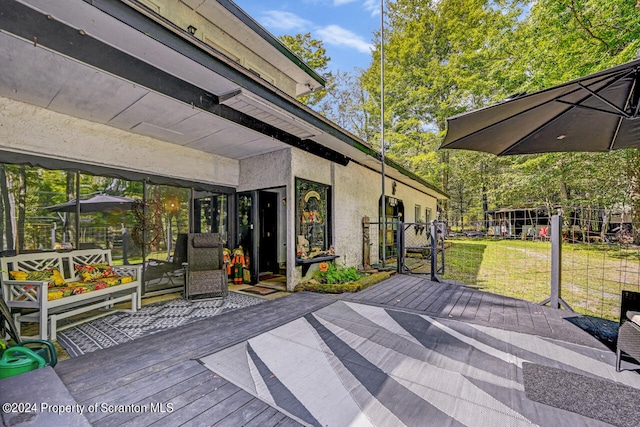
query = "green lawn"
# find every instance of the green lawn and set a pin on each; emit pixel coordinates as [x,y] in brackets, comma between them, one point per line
[593,276]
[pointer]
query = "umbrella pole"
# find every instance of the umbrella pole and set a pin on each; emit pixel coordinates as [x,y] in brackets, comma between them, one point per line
[555,300]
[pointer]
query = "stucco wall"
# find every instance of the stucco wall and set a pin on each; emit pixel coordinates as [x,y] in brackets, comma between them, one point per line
[28,129]
[356,193]
[268,170]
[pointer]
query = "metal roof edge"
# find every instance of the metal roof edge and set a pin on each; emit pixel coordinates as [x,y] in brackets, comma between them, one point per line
[270,94]
[272,40]
[226,69]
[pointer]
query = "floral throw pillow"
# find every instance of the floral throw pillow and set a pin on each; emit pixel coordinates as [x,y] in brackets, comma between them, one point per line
[52,276]
[91,272]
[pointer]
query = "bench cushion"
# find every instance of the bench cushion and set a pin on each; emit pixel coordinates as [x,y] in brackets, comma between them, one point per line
[53,276]
[91,272]
[77,288]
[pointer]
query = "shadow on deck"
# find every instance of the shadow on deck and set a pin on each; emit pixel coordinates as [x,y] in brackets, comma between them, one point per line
[159,377]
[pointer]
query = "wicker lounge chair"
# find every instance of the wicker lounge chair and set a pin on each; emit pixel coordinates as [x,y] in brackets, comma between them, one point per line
[206,276]
[629,330]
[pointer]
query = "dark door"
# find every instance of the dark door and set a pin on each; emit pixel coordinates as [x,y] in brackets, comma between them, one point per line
[268,244]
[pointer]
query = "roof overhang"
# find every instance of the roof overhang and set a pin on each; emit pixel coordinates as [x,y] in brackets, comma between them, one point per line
[108,63]
[235,21]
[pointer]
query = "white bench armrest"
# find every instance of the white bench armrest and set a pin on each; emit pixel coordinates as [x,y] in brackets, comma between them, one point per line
[25,293]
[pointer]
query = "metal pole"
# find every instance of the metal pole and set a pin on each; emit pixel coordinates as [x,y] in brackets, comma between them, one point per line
[144,237]
[556,264]
[383,203]
[555,300]
[434,252]
[400,247]
[169,237]
[125,244]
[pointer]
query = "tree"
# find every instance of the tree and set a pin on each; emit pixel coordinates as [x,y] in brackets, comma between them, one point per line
[569,39]
[22,206]
[450,56]
[441,58]
[6,228]
[314,54]
[344,105]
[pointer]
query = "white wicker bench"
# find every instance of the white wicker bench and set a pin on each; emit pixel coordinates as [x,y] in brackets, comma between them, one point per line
[33,294]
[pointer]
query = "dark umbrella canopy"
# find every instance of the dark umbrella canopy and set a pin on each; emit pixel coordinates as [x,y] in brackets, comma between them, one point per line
[99,203]
[598,112]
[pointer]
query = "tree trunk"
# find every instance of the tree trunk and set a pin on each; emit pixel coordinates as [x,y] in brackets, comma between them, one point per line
[22,207]
[5,212]
[6,199]
[485,197]
[70,226]
[606,217]
[444,183]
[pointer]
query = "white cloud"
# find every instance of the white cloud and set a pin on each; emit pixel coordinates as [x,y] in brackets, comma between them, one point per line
[285,21]
[338,36]
[372,6]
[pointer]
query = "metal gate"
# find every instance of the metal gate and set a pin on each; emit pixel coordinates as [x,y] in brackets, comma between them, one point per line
[421,248]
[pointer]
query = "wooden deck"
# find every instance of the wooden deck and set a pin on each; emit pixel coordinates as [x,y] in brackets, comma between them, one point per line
[417,294]
[158,379]
[163,368]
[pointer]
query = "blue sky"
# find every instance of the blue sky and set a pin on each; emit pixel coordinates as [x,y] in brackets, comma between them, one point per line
[346,27]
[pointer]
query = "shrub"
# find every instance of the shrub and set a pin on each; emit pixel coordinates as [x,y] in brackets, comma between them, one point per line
[364,282]
[335,275]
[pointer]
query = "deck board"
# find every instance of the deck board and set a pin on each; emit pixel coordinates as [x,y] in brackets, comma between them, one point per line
[242,416]
[234,411]
[475,306]
[163,368]
[188,386]
[426,288]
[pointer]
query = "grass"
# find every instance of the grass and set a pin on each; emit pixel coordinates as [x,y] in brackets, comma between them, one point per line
[593,276]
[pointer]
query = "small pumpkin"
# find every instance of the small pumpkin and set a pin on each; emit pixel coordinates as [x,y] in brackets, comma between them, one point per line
[323,266]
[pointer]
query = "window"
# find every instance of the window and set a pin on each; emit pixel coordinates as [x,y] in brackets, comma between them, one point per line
[313,216]
[210,213]
[418,213]
[427,217]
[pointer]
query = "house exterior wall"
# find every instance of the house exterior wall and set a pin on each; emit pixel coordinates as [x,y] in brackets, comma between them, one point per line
[271,171]
[356,193]
[30,129]
[268,170]
[355,189]
[206,31]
